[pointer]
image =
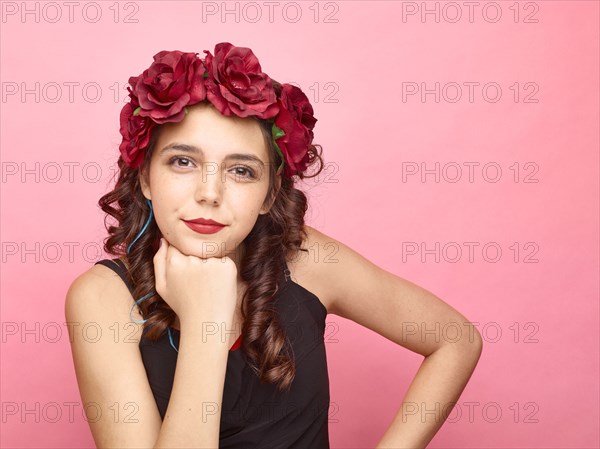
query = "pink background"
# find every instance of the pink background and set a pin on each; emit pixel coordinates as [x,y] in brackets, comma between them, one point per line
[537,308]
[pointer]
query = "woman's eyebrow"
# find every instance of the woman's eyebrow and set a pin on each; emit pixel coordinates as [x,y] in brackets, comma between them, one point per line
[195,150]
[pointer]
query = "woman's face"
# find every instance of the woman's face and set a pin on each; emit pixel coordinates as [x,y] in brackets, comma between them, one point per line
[213,167]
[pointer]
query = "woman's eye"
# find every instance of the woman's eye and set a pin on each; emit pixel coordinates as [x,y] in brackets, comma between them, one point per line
[244,172]
[187,162]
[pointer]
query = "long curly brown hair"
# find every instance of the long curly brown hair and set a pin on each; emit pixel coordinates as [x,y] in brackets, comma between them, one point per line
[275,238]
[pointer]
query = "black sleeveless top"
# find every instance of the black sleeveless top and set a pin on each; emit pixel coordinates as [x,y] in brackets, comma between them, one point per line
[256,415]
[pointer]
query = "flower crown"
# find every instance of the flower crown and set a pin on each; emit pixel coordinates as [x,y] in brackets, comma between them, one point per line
[233,81]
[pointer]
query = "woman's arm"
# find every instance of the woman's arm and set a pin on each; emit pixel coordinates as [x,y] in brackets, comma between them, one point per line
[113,384]
[193,416]
[411,316]
[435,389]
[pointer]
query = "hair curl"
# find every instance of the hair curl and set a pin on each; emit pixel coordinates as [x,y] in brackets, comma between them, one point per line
[275,238]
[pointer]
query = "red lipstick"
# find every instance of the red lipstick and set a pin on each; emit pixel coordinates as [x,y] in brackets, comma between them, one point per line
[204,226]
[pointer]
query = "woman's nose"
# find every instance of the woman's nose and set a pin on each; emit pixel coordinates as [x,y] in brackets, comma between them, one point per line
[210,186]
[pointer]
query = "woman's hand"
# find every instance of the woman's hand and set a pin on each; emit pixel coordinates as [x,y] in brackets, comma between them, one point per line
[196,288]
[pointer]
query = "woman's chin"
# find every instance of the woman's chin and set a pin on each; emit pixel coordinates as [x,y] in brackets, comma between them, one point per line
[202,251]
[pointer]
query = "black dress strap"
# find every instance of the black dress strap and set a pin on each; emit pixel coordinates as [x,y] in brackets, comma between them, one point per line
[118,267]
[287,275]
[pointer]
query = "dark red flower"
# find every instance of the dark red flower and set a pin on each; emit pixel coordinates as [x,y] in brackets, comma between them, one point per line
[236,84]
[173,81]
[296,119]
[136,132]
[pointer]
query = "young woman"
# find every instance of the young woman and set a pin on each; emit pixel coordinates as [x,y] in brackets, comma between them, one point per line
[209,323]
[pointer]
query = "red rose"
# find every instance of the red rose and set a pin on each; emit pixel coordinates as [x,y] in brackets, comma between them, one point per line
[297,121]
[237,85]
[174,80]
[136,131]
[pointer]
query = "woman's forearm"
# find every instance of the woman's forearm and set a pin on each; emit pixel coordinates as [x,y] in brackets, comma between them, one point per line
[193,415]
[438,384]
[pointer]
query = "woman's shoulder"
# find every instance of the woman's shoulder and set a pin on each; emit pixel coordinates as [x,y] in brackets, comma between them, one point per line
[309,268]
[99,278]
[97,295]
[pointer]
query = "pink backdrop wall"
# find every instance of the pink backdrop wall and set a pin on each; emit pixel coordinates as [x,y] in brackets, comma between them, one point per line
[528,209]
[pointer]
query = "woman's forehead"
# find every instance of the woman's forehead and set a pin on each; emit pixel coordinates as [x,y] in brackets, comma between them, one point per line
[214,135]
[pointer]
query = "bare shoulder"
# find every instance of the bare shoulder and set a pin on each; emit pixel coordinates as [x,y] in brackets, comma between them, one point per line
[313,268]
[100,294]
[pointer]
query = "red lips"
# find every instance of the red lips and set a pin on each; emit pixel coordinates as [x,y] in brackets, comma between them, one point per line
[205,221]
[204,226]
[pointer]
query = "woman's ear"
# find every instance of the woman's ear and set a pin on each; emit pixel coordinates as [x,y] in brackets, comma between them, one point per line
[145,183]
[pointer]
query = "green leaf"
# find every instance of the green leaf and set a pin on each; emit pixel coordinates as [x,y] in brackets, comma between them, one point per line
[277,132]
[280,154]
[137,111]
[185,110]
